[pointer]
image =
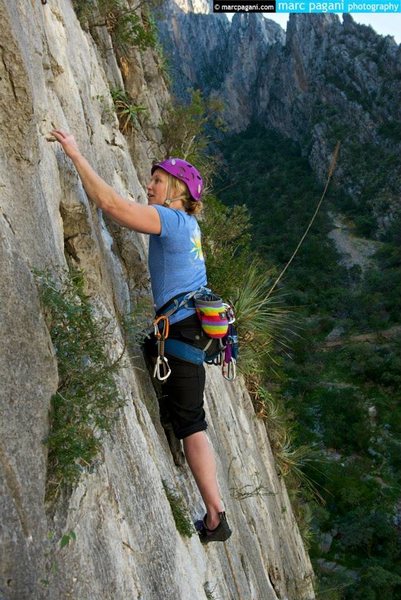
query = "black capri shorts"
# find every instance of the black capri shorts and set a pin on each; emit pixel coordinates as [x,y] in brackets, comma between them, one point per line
[182,399]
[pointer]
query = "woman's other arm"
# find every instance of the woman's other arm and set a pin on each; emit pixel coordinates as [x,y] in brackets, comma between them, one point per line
[144,219]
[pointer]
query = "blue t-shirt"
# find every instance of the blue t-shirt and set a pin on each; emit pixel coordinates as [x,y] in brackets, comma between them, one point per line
[176,262]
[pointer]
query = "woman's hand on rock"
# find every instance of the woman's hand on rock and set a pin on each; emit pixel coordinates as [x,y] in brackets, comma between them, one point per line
[67,141]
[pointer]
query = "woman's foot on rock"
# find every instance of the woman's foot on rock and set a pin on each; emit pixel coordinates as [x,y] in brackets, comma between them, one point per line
[221,533]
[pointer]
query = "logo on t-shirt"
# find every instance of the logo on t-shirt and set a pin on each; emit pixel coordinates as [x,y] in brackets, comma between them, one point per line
[197,247]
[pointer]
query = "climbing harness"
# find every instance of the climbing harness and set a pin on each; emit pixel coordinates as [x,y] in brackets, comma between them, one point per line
[226,353]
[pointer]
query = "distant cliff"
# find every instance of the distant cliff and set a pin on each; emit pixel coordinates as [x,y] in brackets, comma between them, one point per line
[321,82]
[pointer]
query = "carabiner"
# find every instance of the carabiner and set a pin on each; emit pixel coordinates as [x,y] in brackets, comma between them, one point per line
[163,334]
[229,370]
[162,369]
[230,312]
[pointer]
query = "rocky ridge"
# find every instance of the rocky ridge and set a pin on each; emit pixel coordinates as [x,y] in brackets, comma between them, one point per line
[321,82]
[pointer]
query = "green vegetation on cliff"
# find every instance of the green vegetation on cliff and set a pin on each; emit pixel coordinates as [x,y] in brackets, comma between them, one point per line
[130,25]
[86,402]
[340,385]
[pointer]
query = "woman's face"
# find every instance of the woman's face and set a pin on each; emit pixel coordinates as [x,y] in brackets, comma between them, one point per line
[157,187]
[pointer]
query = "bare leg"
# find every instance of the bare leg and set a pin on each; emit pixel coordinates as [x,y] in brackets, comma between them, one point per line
[201,461]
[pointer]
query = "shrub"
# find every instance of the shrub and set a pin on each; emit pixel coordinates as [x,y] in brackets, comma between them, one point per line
[376,583]
[184,131]
[125,24]
[87,399]
[127,111]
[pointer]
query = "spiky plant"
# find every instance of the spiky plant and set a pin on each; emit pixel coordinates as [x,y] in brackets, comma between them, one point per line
[262,319]
[127,111]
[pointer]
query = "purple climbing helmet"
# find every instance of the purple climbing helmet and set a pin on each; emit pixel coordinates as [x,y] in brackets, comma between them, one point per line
[184,171]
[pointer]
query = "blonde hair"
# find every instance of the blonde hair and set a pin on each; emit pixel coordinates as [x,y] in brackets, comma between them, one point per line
[191,206]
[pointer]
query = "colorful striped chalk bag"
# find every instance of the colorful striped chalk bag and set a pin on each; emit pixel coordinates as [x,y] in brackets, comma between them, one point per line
[212,312]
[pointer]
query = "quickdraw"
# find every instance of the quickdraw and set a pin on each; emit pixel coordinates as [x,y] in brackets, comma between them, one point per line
[162,369]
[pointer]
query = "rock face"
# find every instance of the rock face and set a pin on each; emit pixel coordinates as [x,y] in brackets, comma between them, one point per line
[193,6]
[126,543]
[219,57]
[179,32]
[323,81]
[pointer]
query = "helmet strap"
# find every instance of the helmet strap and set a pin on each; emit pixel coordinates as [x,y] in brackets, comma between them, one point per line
[169,201]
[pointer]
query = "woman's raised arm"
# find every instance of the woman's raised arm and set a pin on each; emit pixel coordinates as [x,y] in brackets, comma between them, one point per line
[144,219]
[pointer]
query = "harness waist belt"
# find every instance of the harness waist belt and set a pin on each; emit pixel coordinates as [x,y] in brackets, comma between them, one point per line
[184,351]
[174,303]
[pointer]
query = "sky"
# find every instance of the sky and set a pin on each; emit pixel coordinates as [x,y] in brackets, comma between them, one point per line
[385,24]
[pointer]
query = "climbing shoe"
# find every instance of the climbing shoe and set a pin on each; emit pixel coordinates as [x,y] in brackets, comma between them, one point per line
[220,534]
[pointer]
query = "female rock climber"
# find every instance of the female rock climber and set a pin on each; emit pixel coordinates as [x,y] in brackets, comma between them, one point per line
[176,266]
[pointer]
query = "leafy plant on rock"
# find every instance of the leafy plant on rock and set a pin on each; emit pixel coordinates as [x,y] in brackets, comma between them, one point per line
[129,23]
[127,111]
[87,400]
